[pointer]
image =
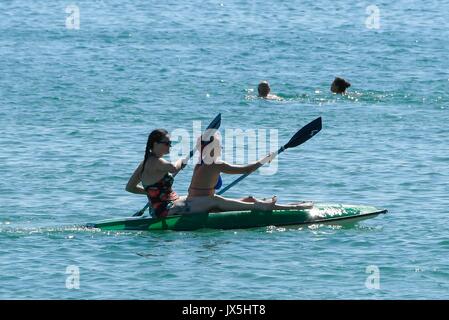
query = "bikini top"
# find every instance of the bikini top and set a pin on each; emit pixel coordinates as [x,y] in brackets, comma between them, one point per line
[164,184]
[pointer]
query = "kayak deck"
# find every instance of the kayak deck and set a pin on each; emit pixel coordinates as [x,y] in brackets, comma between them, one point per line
[320,213]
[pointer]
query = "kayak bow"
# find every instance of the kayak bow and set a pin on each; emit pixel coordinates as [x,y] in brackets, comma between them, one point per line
[319,214]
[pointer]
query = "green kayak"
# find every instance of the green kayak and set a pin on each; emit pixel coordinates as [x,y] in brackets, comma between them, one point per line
[320,213]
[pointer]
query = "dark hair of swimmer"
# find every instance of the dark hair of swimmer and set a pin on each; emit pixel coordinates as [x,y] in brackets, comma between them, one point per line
[155,136]
[339,85]
[263,89]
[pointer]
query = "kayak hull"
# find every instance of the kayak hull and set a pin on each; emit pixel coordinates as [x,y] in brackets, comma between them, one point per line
[319,214]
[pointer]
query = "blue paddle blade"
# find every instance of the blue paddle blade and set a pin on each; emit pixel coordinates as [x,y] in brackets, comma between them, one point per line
[305,133]
[219,183]
[215,124]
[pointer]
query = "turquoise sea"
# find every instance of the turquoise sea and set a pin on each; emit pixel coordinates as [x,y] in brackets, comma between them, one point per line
[76,106]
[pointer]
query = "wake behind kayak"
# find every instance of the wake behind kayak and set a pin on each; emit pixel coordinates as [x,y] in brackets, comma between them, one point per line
[320,213]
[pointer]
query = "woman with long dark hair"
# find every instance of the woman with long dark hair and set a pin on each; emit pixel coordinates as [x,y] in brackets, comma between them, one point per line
[156,174]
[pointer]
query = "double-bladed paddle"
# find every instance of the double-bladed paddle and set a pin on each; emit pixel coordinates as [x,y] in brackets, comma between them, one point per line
[304,134]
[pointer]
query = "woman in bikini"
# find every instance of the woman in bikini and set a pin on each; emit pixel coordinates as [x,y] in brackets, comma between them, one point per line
[207,172]
[156,176]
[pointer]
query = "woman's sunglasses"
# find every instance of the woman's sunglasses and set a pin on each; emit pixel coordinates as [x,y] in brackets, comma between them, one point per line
[167,143]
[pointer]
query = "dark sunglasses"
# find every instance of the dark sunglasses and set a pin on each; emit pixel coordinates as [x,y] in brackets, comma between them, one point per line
[167,143]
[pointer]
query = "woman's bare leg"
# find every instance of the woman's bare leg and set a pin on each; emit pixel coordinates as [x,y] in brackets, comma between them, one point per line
[288,206]
[226,204]
[218,203]
[248,199]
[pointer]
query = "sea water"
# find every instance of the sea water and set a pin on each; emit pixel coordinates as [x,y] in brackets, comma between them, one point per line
[83,83]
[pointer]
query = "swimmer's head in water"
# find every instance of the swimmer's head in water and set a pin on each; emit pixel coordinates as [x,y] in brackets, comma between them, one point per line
[339,85]
[263,89]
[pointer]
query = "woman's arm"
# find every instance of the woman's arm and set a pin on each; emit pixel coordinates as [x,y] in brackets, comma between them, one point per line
[165,166]
[238,169]
[133,183]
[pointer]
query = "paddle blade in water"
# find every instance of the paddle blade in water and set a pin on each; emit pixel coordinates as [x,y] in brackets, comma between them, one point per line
[305,133]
